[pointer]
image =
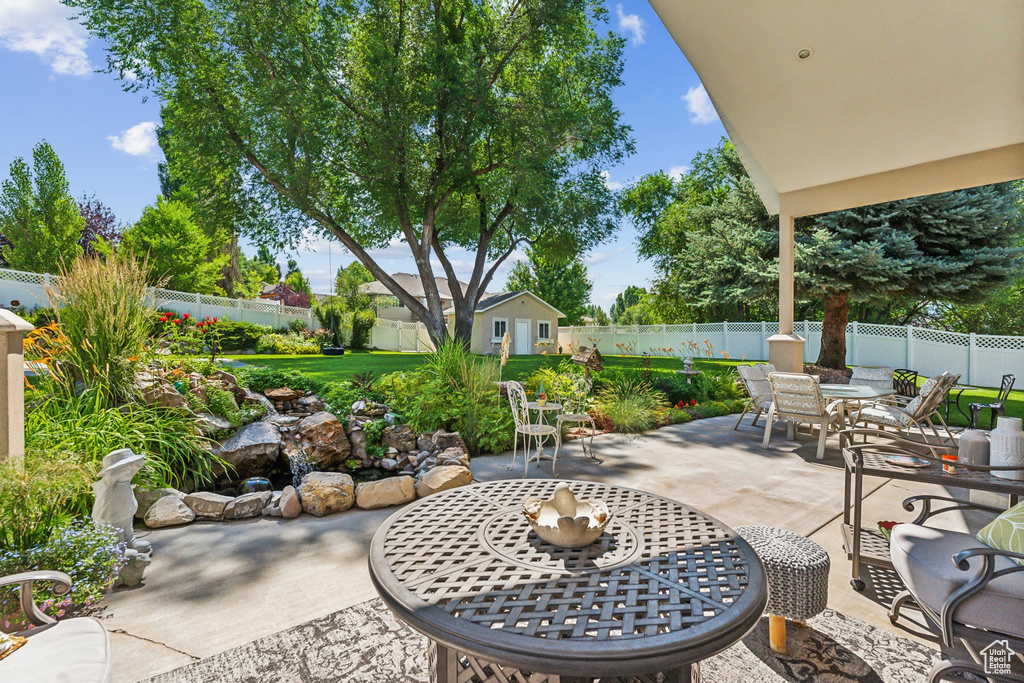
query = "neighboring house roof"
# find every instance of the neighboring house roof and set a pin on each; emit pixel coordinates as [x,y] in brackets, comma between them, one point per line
[412,284]
[489,302]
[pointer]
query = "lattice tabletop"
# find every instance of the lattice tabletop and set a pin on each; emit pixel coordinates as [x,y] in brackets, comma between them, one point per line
[664,586]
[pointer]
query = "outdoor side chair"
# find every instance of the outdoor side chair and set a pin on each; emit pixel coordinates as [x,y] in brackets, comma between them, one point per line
[529,431]
[879,378]
[904,381]
[76,649]
[997,408]
[574,405]
[918,413]
[754,379]
[797,398]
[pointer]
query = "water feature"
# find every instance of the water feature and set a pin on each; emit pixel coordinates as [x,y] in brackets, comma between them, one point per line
[300,465]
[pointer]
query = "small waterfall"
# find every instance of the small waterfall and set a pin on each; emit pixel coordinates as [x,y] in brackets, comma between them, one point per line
[300,465]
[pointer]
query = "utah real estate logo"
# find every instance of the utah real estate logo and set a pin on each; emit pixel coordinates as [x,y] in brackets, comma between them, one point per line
[997,658]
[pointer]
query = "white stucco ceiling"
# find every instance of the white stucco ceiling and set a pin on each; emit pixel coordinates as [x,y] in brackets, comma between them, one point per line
[890,84]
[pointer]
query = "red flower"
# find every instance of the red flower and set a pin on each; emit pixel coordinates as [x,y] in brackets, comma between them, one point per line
[214,320]
[177,322]
[185,315]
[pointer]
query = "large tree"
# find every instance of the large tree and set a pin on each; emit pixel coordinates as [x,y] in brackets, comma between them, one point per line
[715,247]
[561,282]
[482,125]
[101,225]
[39,219]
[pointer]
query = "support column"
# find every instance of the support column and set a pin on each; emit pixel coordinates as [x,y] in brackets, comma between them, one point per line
[12,378]
[786,349]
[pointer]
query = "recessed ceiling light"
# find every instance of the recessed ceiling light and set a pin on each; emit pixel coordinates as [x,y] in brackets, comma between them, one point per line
[804,53]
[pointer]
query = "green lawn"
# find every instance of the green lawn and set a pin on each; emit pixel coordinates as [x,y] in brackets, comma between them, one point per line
[334,368]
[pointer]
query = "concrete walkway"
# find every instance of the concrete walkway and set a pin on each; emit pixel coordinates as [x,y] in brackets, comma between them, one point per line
[213,586]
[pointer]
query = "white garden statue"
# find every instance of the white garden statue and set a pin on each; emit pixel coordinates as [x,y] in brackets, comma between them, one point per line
[116,505]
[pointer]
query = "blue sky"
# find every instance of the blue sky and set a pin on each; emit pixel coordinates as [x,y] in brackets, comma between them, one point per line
[106,138]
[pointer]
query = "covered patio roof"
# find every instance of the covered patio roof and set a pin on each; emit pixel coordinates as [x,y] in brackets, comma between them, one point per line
[896,99]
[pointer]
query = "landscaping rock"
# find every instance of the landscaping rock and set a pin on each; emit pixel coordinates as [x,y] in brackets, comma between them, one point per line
[443,478]
[357,437]
[162,394]
[327,446]
[248,505]
[283,420]
[384,493]
[253,398]
[389,464]
[453,456]
[282,394]
[168,511]
[209,424]
[400,437]
[207,505]
[324,493]
[146,497]
[290,506]
[252,450]
[445,440]
[310,404]
[425,442]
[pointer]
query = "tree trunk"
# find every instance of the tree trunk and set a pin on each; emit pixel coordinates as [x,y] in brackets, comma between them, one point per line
[833,331]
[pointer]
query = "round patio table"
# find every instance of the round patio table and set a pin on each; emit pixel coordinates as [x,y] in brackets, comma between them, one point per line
[853,393]
[664,587]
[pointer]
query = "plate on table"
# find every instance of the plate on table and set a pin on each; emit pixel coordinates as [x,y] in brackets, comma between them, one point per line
[908,461]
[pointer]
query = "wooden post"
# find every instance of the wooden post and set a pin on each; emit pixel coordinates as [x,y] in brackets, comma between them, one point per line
[777,633]
[12,377]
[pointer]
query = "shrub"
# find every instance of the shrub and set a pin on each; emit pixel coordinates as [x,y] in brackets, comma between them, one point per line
[331,312]
[105,311]
[221,402]
[261,378]
[631,404]
[362,328]
[45,490]
[678,416]
[240,336]
[91,555]
[374,430]
[297,326]
[286,344]
[676,388]
[717,384]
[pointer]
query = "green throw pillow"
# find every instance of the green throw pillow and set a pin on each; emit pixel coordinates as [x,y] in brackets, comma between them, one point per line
[1006,532]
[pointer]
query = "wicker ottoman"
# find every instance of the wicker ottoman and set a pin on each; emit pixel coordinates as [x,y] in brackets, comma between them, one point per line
[797,571]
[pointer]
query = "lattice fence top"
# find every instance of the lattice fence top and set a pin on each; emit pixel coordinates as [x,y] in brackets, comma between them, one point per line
[662,574]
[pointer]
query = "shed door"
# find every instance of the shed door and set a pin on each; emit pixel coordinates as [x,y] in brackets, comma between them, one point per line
[522,337]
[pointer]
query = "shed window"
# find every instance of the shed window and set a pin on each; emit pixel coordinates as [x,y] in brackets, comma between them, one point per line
[500,326]
[543,329]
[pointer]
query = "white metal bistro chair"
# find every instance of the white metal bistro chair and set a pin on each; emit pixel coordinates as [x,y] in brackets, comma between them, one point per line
[918,413]
[755,379]
[529,430]
[574,403]
[797,398]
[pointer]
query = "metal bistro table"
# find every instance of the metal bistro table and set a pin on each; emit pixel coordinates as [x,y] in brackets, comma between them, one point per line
[664,587]
[869,546]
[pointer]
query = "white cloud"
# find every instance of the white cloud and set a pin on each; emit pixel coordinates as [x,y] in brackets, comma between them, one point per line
[699,105]
[139,140]
[609,183]
[632,24]
[42,27]
[596,257]
[677,172]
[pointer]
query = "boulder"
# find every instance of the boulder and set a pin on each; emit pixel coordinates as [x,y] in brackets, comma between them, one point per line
[226,378]
[168,511]
[389,464]
[357,437]
[386,492]
[252,398]
[445,440]
[252,450]
[324,493]
[283,420]
[400,437]
[209,424]
[207,505]
[328,446]
[290,505]
[443,478]
[453,456]
[310,404]
[248,505]
[162,394]
[282,394]
[425,442]
[146,497]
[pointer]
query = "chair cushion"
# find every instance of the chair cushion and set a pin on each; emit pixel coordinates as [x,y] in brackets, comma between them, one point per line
[1006,532]
[926,388]
[886,415]
[880,378]
[70,651]
[924,559]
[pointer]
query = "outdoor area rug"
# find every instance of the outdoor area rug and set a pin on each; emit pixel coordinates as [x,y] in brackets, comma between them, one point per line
[368,644]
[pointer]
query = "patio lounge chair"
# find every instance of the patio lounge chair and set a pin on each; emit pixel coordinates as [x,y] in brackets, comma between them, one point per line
[529,430]
[754,379]
[879,378]
[75,649]
[917,413]
[797,398]
[997,408]
[965,589]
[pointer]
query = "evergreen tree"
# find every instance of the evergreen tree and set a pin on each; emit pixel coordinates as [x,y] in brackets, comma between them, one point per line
[562,283]
[597,314]
[39,220]
[632,296]
[265,256]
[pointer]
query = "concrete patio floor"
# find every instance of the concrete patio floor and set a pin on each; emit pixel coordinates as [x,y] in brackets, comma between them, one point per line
[214,586]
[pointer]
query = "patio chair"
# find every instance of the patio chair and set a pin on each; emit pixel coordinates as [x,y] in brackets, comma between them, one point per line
[879,378]
[797,398]
[917,413]
[529,430]
[574,405]
[966,590]
[905,383]
[997,408]
[754,379]
[76,649]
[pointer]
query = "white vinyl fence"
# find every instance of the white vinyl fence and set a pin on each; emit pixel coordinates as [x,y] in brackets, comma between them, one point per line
[395,335]
[29,290]
[980,359]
